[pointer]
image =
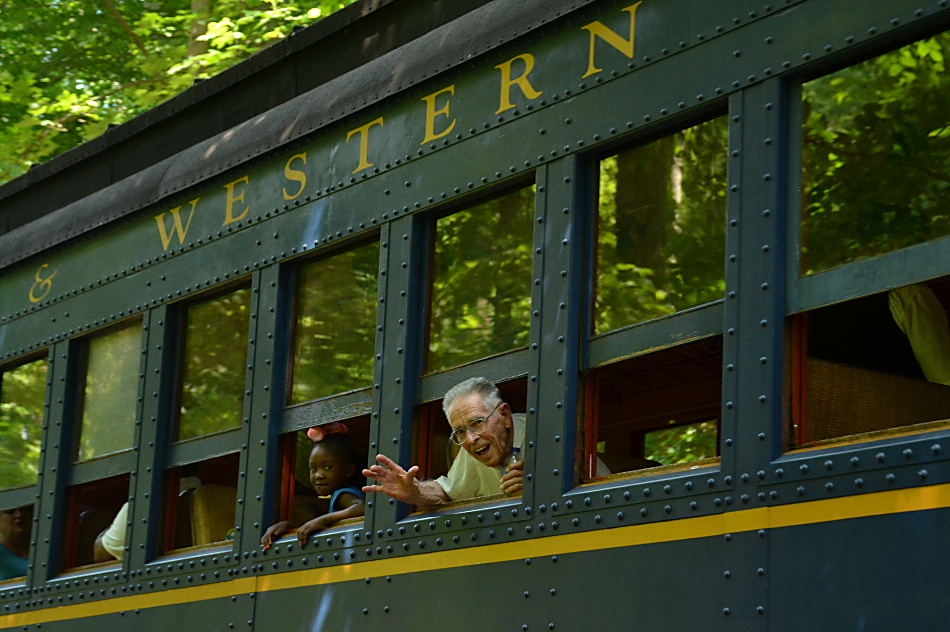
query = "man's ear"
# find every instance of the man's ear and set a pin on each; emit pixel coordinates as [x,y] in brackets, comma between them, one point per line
[505,410]
[350,470]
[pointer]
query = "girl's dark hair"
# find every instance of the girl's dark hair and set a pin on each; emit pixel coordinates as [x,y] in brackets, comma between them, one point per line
[342,446]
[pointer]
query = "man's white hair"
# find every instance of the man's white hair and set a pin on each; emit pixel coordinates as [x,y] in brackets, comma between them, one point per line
[491,396]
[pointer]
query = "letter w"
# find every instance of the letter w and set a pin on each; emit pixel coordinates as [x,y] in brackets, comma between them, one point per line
[598,29]
[177,228]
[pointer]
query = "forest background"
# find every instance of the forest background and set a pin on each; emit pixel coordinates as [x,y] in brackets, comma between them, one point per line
[71,68]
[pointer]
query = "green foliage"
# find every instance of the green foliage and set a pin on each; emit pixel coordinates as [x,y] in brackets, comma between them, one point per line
[481,281]
[69,68]
[876,154]
[336,324]
[215,353]
[682,444]
[22,397]
[661,227]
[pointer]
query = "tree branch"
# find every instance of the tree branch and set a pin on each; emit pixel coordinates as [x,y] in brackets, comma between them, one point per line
[125,26]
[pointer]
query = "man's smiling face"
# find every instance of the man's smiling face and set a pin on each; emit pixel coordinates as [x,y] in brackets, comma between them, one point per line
[493,444]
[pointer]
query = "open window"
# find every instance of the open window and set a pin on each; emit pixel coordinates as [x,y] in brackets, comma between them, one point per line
[867,344]
[650,398]
[870,364]
[300,501]
[435,452]
[478,302]
[659,409]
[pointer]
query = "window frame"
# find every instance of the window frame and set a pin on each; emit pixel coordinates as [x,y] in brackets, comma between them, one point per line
[641,339]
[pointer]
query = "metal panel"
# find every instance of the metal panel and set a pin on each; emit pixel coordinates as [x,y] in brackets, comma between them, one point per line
[555,333]
[880,573]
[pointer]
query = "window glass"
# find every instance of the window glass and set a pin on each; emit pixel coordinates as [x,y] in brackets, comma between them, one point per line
[16,525]
[658,409]
[842,386]
[335,324]
[876,151]
[481,281]
[215,349]
[110,392]
[661,220]
[22,399]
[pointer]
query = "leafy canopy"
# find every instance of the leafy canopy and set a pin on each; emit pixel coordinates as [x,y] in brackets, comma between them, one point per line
[70,68]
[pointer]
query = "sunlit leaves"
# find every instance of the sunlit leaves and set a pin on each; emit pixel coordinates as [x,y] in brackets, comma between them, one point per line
[876,154]
[335,329]
[481,281]
[70,68]
[22,397]
[214,355]
[661,227]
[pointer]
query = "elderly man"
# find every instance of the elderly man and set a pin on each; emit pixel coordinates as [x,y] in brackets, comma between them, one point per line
[482,423]
[15,525]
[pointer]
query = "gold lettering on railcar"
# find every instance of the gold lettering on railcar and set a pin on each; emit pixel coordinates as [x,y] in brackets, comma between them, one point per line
[295,175]
[507,81]
[431,113]
[364,143]
[177,228]
[229,217]
[599,29]
[43,285]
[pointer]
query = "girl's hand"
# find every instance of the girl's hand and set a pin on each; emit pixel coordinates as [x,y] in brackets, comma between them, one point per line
[313,526]
[273,532]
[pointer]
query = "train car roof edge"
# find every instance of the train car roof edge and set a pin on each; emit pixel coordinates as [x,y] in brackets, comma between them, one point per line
[462,40]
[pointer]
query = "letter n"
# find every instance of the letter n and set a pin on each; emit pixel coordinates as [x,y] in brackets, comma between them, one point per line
[598,29]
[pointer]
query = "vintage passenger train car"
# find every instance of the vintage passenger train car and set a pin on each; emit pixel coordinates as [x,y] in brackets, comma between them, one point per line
[701,246]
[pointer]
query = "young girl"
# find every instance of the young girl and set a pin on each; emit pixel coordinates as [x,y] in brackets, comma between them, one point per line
[335,467]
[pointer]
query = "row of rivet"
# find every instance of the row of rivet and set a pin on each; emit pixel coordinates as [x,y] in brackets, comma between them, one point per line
[871,31]
[353,180]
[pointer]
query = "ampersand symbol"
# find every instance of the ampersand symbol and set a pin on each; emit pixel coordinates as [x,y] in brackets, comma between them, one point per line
[42,286]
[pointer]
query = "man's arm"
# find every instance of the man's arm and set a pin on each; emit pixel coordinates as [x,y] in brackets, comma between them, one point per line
[99,553]
[402,485]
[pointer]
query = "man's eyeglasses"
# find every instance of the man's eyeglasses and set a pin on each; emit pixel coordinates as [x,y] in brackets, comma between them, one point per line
[459,436]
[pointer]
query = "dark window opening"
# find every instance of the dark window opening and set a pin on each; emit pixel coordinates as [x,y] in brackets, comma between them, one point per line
[433,450]
[299,501]
[871,364]
[659,409]
[201,503]
[92,509]
[16,528]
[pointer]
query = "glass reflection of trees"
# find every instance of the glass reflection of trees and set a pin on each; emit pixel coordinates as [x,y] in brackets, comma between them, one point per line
[110,392]
[876,156]
[215,349]
[661,227]
[22,397]
[481,281]
[335,324]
